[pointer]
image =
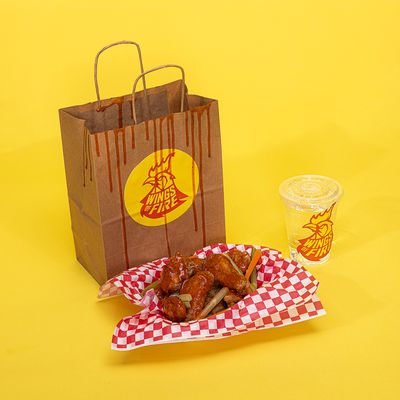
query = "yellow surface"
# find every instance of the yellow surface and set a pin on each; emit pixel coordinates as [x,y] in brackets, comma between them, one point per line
[304,87]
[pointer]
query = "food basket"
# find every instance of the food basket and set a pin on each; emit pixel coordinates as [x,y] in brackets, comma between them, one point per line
[286,294]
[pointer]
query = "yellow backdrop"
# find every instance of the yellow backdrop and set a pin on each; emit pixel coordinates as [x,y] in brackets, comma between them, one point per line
[304,87]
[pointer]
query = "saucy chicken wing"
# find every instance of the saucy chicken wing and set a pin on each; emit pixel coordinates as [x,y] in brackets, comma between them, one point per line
[176,271]
[240,258]
[225,274]
[174,309]
[198,287]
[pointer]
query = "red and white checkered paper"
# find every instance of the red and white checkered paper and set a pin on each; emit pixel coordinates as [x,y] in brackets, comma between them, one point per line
[286,295]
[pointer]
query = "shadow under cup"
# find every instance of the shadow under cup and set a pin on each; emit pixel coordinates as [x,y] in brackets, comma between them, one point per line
[310,210]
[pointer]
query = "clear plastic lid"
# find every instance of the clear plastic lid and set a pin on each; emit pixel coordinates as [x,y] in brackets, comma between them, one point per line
[311,191]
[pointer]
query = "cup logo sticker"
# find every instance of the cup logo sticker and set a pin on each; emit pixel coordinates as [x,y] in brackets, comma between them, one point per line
[161,187]
[318,245]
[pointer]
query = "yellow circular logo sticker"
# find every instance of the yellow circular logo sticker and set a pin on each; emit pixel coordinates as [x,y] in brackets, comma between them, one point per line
[161,187]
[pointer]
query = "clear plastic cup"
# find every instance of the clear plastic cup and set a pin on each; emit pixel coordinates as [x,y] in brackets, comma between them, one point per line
[310,211]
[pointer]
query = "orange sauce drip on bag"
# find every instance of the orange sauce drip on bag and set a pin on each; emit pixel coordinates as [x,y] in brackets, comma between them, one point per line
[187,128]
[161,138]
[209,130]
[133,136]
[89,150]
[121,197]
[161,157]
[146,123]
[84,156]
[172,131]
[203,217]
[85,134]
[108,161]
[96,139]
[124,144]
[193,173]
[168,132]
[155,141]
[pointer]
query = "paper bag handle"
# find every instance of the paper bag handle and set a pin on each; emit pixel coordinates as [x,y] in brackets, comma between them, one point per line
[96,60]
[152,70]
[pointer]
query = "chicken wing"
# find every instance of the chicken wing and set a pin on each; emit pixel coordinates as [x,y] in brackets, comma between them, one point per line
[194,264]
[174,309]
[225,274]
[176,271]
[197,286]
[240,258]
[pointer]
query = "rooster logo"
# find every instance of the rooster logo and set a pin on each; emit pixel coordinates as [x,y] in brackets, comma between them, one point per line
[318,245]
[164,195]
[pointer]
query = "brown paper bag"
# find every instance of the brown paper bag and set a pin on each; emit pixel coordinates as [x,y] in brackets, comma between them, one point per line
[144,176]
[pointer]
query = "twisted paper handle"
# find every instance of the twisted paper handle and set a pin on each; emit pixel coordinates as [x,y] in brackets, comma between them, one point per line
[142,75]
[96,60]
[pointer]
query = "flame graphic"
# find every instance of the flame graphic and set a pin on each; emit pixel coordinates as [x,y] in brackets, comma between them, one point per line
[164,195]
[318,245]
